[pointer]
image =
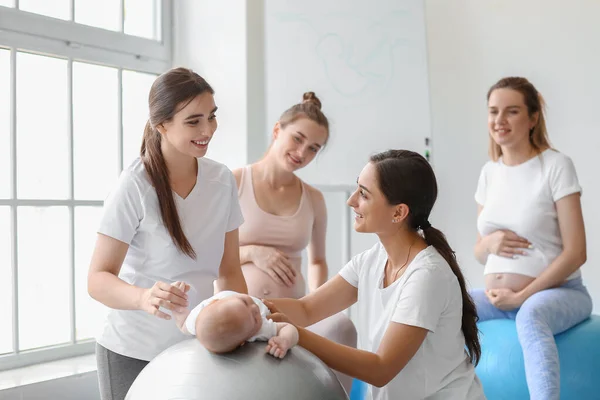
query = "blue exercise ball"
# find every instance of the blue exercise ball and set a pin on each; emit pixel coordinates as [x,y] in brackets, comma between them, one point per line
[502,371]
[359,390]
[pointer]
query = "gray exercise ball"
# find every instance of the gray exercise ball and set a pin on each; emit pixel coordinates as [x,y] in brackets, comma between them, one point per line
[187,371]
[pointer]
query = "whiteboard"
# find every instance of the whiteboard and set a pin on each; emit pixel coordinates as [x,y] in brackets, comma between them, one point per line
[367,63]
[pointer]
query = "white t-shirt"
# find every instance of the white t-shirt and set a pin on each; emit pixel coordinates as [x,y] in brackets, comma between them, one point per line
[522,198]
[266,332]
[132,215]
[427,295]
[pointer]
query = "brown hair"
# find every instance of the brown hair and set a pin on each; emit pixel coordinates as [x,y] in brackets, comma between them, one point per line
[170,92]
[405,177]
[538,136]
[310,108]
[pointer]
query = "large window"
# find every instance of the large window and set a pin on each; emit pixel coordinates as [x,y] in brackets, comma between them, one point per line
[74,83]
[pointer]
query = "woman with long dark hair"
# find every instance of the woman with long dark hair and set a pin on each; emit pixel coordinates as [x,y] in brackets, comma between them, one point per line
[173,216]
[417,330]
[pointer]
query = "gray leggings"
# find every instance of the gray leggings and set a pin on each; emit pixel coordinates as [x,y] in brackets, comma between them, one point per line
[116,373]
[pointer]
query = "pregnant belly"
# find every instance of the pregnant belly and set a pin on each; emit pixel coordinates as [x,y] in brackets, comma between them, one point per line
[515,282]
[261,285]
[514,273]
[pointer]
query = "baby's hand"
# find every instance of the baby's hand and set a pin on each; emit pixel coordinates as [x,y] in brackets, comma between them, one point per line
[278,346]
[184,287]
[180,315]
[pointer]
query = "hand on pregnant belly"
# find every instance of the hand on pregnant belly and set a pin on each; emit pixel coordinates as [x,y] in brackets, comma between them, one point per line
[504,299]
[506,243]
[276,264]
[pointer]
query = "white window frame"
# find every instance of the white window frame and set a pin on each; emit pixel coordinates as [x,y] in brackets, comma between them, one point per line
[22,31]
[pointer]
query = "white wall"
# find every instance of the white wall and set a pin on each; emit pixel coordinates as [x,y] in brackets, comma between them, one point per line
[471,44]
[366,61]
[222,41]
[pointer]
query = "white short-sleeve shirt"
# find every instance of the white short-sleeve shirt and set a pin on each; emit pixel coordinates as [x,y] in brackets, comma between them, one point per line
[131,214]
[267,330]
[427,295]
[522,199]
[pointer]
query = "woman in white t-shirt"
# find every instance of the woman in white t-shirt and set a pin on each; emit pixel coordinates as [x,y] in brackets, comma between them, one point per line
[531,235]
[416,322]
[173,216]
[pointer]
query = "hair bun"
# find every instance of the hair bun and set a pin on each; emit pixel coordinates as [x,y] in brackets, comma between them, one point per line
[311,97]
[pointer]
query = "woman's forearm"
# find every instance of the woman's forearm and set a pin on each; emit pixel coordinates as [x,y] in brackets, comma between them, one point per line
[232,280]
[556,273]
[294,309]
[246,253]
[360,364]
[113,292]
[481,251]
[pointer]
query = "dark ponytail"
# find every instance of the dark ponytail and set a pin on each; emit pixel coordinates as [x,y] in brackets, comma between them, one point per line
[170,92]
[405,177]
[437,239]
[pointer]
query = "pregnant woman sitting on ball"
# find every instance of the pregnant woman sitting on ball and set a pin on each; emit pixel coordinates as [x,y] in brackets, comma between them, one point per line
[531,235]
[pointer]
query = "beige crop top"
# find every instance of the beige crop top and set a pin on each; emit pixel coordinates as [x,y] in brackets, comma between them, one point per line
[290,234]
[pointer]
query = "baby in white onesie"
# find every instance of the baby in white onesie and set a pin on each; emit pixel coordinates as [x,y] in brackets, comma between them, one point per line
[229,319]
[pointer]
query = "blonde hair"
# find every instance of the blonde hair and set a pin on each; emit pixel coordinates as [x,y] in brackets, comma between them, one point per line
[538,136]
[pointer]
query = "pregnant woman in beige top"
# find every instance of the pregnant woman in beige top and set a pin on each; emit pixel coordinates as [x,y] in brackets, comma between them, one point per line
[283,216]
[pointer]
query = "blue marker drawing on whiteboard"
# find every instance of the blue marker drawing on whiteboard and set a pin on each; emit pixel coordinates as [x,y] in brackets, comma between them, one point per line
[356,61]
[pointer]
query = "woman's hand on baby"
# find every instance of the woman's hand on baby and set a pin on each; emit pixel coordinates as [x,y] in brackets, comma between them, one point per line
[279,317]
[275,315]
[275,263]
[272,307]
[164,295]
[278,346]
[506,243]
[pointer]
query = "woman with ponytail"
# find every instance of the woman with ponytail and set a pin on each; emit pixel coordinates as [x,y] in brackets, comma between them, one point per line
[173,216]
[531,236]
[416,322]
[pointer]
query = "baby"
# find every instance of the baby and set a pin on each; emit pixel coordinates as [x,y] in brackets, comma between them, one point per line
[229,319]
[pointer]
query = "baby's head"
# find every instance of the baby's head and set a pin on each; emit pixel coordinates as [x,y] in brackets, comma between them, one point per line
[225,324]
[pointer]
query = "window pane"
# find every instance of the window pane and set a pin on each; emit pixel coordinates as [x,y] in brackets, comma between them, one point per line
[142,18]
[4,124]
[7,3]
[95,130]
[49,8]
[136,87]
[101,14]
[89,313]
[43,259]
[6,304]
[42,128]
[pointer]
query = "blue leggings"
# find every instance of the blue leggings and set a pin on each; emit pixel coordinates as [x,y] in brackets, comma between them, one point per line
[543,315]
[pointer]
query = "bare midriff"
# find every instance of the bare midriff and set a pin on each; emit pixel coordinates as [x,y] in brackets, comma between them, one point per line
[261,285]
[514,282]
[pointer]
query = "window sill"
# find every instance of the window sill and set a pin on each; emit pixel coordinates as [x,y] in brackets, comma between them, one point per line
[47,371]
